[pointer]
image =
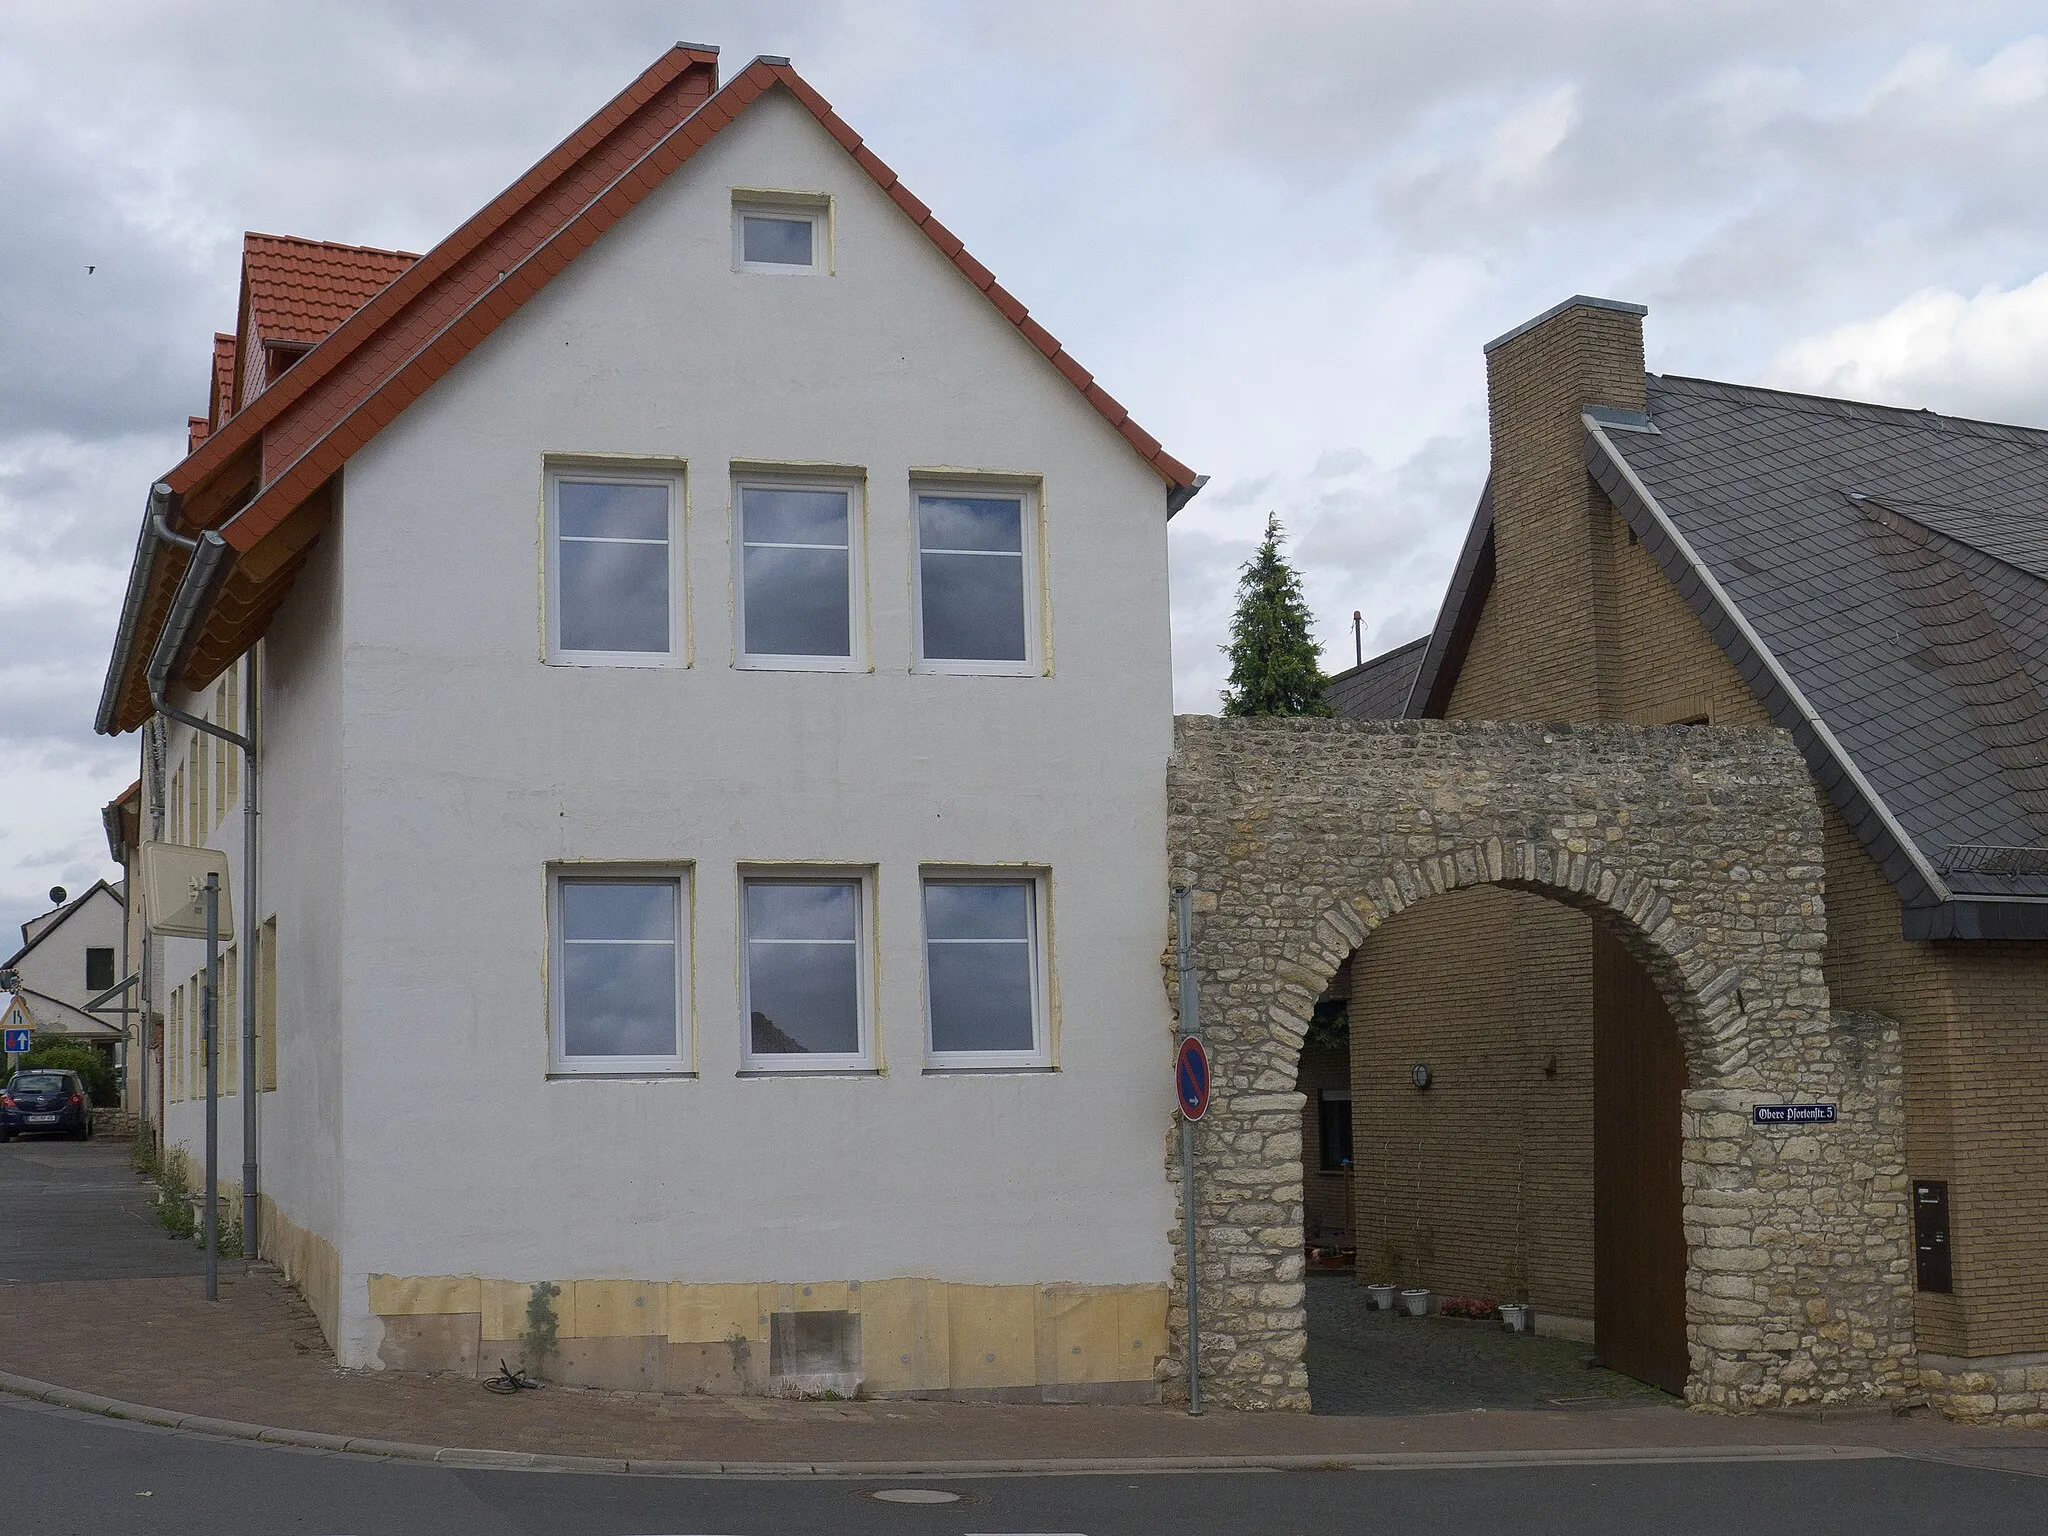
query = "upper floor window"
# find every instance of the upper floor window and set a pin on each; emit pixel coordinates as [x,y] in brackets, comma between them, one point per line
[977,587]
[99,970]
[799,573]
[615,568]
[619,965]
[781,232]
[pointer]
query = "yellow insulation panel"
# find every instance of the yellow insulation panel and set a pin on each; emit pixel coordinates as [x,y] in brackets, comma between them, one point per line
[418,1295]
[917,1335]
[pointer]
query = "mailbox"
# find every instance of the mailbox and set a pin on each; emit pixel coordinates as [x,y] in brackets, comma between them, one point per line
[1931,1267]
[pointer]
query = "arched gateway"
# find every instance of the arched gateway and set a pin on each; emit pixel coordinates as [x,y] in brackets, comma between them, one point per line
[1700,849]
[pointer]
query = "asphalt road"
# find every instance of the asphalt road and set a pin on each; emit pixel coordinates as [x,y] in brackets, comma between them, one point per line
[79,1474]
[76,1211]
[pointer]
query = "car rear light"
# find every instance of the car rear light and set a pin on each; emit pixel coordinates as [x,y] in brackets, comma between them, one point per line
[77,1099]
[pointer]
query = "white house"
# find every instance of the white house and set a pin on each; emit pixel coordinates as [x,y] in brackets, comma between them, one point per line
[710,670]
[68,957]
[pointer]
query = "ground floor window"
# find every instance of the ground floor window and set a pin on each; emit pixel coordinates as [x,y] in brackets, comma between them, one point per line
[1333,1126]
[984,994]
[806,971]
[619,965]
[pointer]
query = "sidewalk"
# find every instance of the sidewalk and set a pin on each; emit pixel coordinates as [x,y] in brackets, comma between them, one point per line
[258,1359]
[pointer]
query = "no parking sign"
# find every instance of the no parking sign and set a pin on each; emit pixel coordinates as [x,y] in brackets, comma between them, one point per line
[1191,1078]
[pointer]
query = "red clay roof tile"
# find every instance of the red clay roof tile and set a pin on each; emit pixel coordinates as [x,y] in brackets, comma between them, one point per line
[301,290]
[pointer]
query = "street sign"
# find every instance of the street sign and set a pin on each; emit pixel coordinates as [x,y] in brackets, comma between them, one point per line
[17,1041]
[1191,1078]
[1793,1114]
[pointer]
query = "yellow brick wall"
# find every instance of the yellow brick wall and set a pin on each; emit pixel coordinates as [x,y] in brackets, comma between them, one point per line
[1974,1015]
[1482,1183]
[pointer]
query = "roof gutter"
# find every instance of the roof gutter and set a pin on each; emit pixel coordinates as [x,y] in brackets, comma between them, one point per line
[1597,430]
[157,512]
[204,576]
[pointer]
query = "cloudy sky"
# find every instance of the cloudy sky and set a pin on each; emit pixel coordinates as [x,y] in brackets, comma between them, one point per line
[1279,231]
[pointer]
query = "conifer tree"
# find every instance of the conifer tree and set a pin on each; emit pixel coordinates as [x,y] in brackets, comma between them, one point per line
[1273,662]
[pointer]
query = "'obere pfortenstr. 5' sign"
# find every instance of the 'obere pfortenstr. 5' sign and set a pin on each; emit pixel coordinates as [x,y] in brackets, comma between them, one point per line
[1793,1114]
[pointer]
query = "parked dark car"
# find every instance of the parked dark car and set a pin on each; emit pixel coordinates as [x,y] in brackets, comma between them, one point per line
[43,1102]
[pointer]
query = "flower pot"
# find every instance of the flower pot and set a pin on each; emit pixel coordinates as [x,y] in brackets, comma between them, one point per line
[1382,1297]
[1416,1303]
[1517,1317]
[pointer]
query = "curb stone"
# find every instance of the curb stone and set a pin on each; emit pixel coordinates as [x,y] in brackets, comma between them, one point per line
[541,1461]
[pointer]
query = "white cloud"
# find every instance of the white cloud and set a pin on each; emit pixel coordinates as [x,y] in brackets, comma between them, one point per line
[1978,356]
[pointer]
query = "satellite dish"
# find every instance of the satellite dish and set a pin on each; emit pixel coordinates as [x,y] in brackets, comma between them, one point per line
[59,895]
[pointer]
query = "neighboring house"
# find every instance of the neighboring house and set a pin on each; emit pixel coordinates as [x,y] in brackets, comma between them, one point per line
[68,956]
[1666,550]
[711,677]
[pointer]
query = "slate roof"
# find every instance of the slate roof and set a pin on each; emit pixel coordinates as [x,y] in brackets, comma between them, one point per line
[1880,576]
[1378,689]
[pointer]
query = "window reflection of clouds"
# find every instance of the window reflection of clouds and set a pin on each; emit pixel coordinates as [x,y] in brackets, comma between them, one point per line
[618,968]
[979,965]
[803,967]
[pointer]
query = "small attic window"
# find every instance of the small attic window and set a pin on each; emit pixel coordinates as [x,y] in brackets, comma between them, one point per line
[781,232]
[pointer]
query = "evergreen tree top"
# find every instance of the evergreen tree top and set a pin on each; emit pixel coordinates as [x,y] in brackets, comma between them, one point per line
[1274,668]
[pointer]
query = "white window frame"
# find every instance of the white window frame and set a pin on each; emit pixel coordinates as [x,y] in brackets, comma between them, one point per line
[1033,664]
[856,572]
[677,654]
[864,1060]
[683,1062]
[813,208]
[1040,1054]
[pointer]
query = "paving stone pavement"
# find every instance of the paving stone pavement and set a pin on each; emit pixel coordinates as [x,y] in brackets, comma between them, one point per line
[73,1210]
[257,1357]
[1383,1363]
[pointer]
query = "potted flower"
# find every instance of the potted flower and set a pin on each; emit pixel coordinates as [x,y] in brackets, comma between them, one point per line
[1416,1301]
[1518,1317]
[1382,1296]
[1477,1309]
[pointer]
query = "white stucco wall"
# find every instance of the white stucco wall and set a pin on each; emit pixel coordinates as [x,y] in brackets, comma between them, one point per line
[55,966]
[469,766]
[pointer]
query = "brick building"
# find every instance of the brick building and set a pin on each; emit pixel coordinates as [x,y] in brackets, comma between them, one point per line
[1665,550]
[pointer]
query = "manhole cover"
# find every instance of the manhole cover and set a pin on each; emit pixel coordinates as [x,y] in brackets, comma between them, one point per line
[916,1496]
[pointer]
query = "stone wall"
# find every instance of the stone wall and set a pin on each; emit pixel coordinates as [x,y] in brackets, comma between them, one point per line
[1701,848]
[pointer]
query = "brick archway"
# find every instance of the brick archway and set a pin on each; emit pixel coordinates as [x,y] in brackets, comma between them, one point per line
[1701,848]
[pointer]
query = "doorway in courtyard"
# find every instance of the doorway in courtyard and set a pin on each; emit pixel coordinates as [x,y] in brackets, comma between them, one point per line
[1491,1098]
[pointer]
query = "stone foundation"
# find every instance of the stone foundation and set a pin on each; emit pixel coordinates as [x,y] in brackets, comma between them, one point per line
[1991,1389]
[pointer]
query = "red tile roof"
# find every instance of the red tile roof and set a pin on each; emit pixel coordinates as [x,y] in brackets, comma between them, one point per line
[277,456]
[301,290]
[222,405]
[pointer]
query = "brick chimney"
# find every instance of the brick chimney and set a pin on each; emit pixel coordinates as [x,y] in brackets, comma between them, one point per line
[1553,585]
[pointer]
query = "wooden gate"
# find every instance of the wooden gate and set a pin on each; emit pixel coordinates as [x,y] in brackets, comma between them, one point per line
[1639,1257]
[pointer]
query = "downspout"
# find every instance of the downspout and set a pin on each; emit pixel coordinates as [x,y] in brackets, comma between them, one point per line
[205,574]
[153,754]
[251,933]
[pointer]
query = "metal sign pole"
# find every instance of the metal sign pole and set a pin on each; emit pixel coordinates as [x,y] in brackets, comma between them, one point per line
[1190,1028]
[209,1035]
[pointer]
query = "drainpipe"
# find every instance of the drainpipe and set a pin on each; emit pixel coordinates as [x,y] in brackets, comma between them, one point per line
[205,574]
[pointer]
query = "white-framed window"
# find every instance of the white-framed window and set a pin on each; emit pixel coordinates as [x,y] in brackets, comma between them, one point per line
[985,977]
[786,233]
[977,580]
[620,969]
[806,974]
[798,577]
[615,567]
